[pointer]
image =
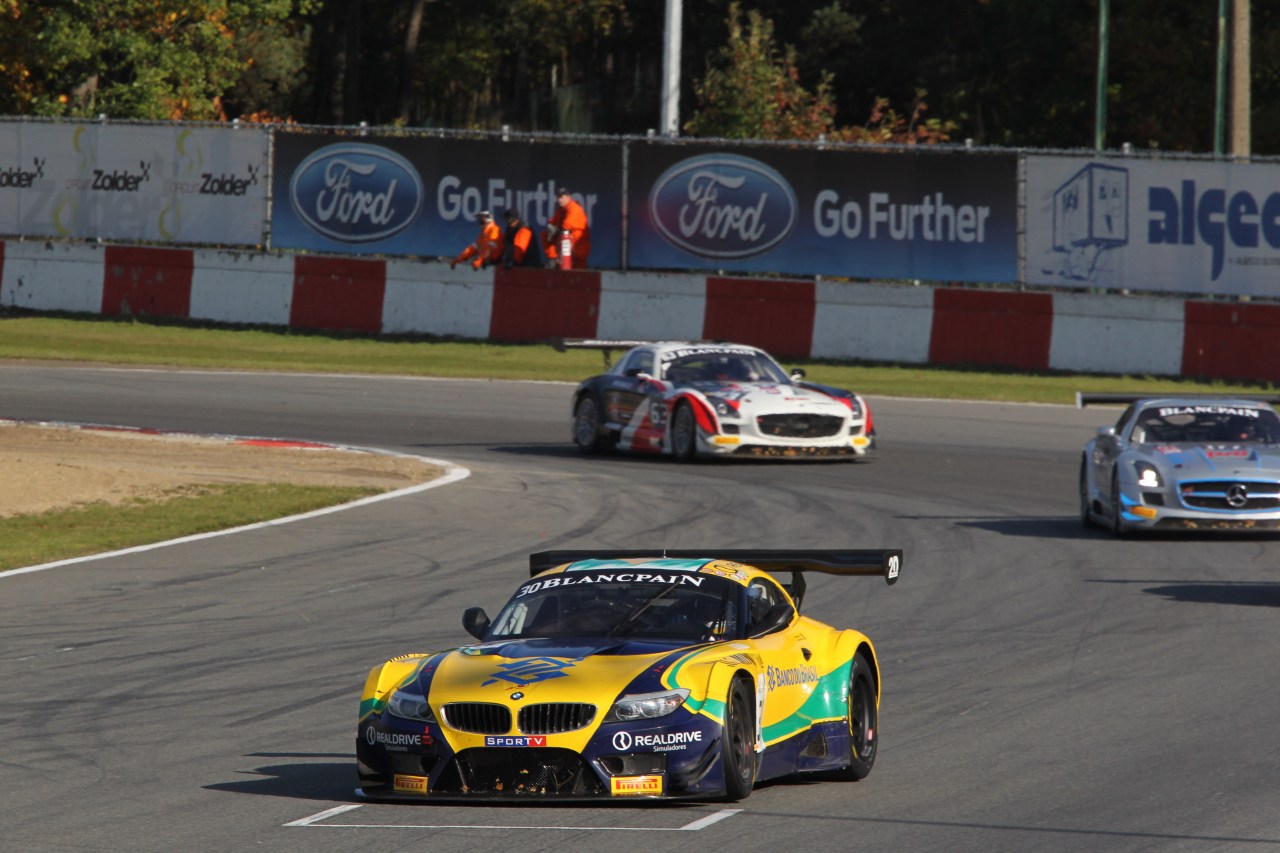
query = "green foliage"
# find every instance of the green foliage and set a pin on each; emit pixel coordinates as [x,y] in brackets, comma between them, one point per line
[752,90]
[142,59]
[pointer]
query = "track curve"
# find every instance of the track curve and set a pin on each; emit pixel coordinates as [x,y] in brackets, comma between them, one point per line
[1046,687]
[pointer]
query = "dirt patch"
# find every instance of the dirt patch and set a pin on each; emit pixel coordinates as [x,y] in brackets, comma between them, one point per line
[45,467]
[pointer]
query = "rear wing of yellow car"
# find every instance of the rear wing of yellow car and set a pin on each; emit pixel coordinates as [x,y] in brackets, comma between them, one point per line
[883,562]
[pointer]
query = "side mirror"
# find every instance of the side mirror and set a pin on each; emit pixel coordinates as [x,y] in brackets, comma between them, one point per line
[797,373]
[476,621]
[1106,431]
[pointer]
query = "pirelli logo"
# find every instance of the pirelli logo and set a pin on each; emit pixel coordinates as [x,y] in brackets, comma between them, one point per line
[631,786]
[410,784]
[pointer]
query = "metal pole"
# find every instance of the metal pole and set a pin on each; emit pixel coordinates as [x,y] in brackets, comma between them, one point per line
[671,69]
[1100,114]
[1220,86]
[1241,93]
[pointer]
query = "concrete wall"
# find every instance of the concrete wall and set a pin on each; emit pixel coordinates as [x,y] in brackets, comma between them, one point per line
[791,318]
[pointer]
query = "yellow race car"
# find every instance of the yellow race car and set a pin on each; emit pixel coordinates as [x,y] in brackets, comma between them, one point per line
[658,674]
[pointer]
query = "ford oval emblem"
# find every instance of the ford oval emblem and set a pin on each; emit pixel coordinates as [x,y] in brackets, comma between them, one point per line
[356,193]
[723,206]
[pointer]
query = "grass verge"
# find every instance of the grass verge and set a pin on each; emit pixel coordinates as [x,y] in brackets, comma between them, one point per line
[28,540]
[180,344]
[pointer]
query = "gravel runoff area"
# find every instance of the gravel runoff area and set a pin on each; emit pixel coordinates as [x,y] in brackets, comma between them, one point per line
[45,467]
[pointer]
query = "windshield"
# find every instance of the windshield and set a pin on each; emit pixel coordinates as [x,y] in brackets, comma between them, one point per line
[721,366]
[686,606]
[1206,424]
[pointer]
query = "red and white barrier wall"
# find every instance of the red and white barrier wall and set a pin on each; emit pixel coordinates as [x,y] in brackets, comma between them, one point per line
[793,319]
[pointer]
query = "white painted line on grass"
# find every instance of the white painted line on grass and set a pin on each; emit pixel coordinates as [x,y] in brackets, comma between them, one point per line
[700,823]
[452,474]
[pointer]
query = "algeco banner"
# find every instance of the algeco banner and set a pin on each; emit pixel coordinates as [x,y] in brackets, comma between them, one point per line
[1167,225]
[170,184]
[840,213]
[420,196]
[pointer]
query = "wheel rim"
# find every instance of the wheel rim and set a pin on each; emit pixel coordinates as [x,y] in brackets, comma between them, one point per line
[862,731]
[1084,497]
[585,424]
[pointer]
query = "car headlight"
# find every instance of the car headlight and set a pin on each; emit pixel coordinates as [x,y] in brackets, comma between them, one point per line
[646,706]
[409,704]
[1148,476]
[723,407]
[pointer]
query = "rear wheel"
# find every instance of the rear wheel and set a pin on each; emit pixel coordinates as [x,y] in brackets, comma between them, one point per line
[684,433]
[738,742]
[586,425]
[863,719]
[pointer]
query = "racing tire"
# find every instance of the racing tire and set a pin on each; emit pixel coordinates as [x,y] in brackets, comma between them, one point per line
[863,719]
[586,425]
[1117,523]
[684,434]
[1086,516]
[738,742]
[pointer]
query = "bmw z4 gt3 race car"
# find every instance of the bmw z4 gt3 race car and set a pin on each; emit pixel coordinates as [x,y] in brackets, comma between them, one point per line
[699,398]
[627,675]
[1199,463]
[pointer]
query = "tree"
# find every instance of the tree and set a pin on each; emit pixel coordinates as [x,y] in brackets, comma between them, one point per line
[143,59]
[753,91]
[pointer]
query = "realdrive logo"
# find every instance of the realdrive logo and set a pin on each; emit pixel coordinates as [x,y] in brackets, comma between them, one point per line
[1179,218]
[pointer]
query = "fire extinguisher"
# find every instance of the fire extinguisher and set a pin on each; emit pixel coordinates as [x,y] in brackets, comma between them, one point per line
[566,250]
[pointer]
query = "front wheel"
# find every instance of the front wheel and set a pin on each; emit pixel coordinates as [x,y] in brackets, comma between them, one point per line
[684,434]
[738,742]
[1117,521]
[586,425]
[1086,517]
[863,719]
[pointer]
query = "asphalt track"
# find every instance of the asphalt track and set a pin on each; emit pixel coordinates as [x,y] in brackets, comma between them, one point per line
[1047,688]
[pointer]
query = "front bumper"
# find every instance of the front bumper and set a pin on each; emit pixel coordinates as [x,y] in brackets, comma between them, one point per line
[393,765]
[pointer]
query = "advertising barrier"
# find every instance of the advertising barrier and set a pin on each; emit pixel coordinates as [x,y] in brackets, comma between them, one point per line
[405,195]
[155,183]
[841,213]
[1153,225]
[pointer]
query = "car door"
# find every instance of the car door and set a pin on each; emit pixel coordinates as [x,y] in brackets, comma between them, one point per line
[790,672]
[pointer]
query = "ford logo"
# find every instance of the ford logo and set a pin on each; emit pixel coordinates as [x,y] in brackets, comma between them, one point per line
[723,206]
[356,193]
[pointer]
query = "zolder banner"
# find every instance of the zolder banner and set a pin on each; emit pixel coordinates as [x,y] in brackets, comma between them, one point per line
[167,184]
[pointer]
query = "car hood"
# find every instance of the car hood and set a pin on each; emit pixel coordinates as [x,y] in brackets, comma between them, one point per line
[544,670]
[1195,460]
[771,397]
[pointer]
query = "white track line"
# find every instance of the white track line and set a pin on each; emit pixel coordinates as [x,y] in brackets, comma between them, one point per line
[700,823]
